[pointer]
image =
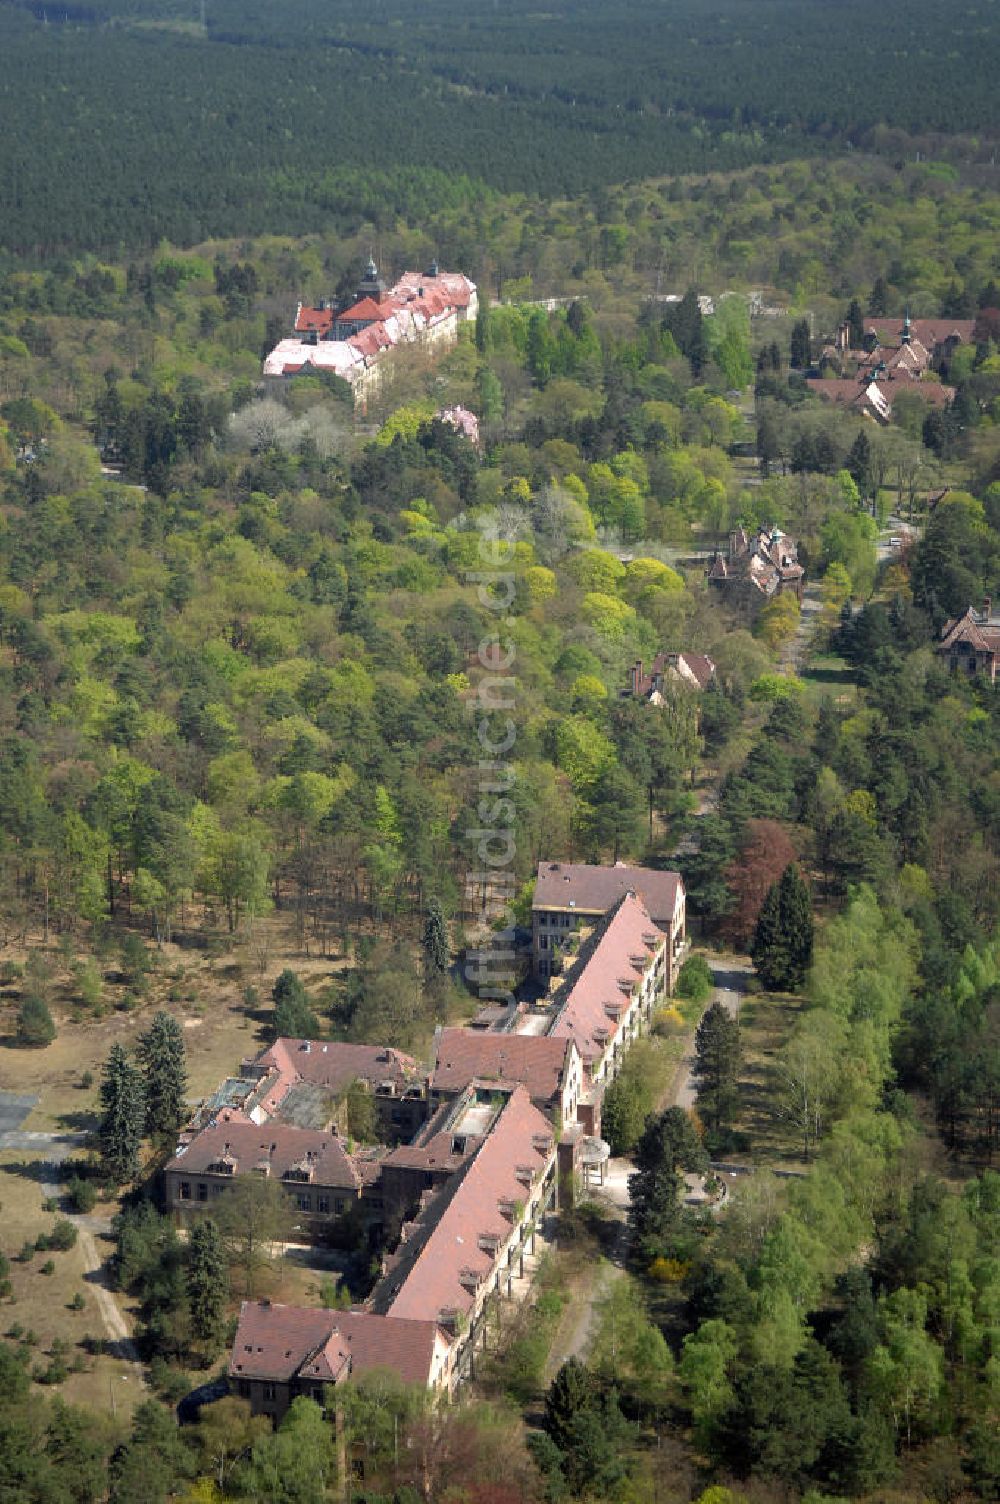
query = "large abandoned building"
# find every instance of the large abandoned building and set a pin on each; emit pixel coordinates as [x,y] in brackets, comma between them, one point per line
[355,343]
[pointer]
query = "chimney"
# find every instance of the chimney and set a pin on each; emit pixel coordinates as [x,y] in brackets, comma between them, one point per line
[987,607]
[636,675]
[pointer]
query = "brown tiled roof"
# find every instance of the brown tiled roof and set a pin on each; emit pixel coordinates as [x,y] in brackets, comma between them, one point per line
[332,1065]
[930,332]
[537,1062]
[701,666]
[593,890]
[274,1341]
[683,666]
[437,1272]
[597,989]
[984,636]
[277,1145]
[279,1343]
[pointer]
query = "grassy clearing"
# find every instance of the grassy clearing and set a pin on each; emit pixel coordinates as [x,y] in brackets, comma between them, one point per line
[766,1023]
[203,990]
[42,1304]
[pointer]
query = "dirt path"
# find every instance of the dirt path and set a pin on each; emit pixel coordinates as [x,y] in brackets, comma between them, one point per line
[96,1272]
[576,1335]
[793,653]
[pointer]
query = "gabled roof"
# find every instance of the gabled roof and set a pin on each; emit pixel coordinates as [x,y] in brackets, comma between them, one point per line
[367,309]
[245,1147]
[280,1343]
[695,669]
[534,1061]
[597,989]
[577,887]
[980,633]
[438,1270]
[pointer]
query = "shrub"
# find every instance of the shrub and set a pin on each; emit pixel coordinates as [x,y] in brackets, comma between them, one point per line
[49,1267]
[63,1236]
[27,1253]
[78,1302]
[695,981]
[82,1195]
[35,1027]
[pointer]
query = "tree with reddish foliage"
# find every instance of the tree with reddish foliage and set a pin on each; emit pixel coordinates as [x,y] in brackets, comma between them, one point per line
[987,326]
[765,853]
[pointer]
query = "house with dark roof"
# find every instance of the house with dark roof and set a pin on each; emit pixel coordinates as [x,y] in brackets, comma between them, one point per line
[280,1352]
[549,1069]
[691,670]
[971,643]
[567,893]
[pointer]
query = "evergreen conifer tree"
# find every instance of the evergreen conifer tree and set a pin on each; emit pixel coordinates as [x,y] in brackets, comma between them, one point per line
[856,324]
[435,942]
[717,1066]
[668,1145]
[123,1115]
[34,1022]
[801,349]
[208,1284]
[161,1054]
[783,940]
[293,1017]
[859,463]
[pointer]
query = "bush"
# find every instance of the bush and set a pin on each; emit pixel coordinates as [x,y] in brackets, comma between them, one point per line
[35,1028]
[695,981]
[49,1267]
[82,1195]
[63,1236]
[78,1302]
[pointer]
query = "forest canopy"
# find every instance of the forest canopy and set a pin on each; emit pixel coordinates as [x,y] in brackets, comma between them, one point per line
[324,113]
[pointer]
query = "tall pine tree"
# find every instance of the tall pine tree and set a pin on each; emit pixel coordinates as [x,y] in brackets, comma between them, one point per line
[801,347]
[161,1054]
[783,940]
[717,1066]
[208,1284]
[435,942]
[123,1115]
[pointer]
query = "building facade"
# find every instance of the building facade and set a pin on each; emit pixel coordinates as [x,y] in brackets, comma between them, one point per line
[567,893]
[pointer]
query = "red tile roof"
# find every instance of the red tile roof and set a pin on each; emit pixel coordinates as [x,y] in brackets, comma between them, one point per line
[593,890]
[313,320]
[282,1148]
[597,990]
[537,1062]
[279,1343]
[366,309]
[438,1271]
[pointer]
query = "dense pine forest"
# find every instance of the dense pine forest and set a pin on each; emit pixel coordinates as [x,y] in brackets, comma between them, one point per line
[244,653]
[319,115]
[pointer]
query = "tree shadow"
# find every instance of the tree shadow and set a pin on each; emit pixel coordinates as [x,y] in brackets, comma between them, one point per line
[79,1122]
